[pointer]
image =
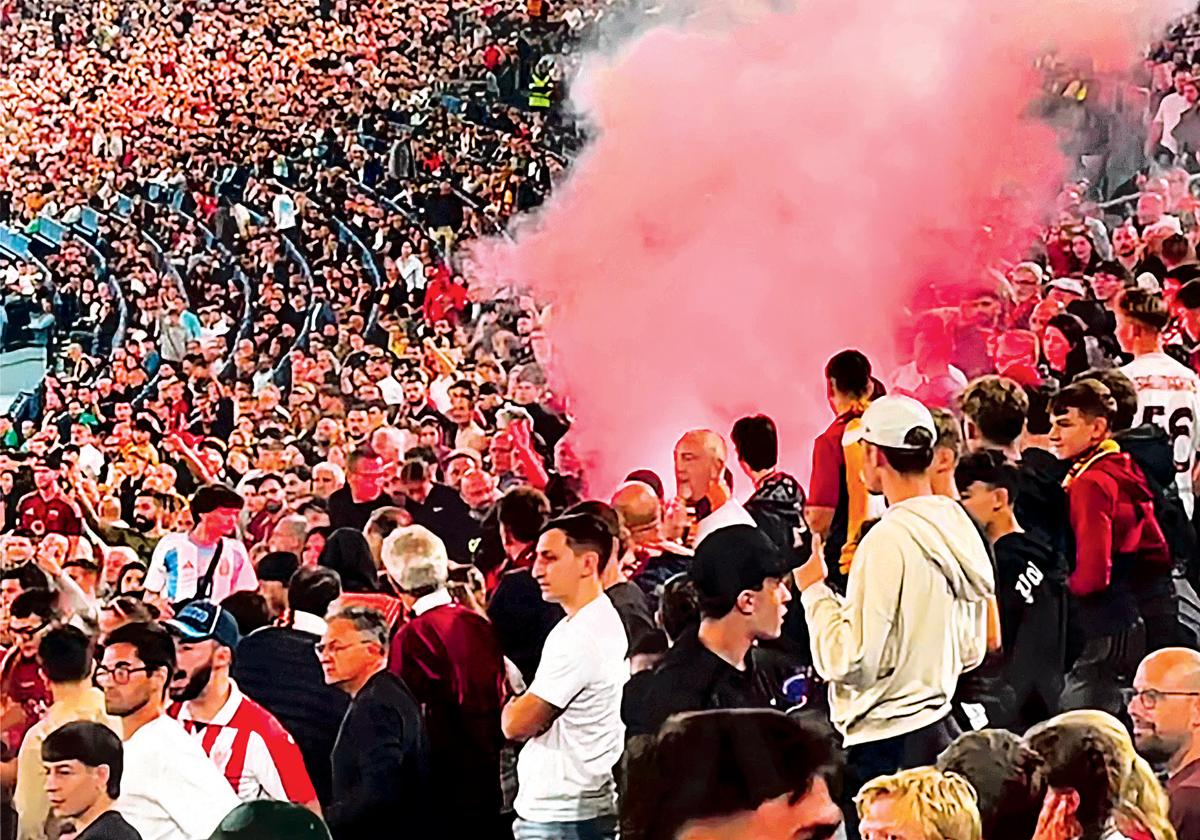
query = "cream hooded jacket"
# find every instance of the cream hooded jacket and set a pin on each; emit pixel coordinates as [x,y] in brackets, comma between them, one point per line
[913,619]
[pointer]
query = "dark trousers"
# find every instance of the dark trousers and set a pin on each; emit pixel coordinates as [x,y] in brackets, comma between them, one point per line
[878,758]
[1104,670]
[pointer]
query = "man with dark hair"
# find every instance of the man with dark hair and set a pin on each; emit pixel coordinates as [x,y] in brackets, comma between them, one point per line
[82,764]
[65,654]
[47,510]
[752,775]
[278,668]
[1183,337]
[171,789]
[917,606]
[741,578]
[206,562]
[257,755]
[381,758]
[570,717]
[521,617]
[275,569]
[1009,780]
[837,500]
[777,504]
[1168,392]
[351,505]
[23,682]
[1122,569]
[439,508]
[1030,589]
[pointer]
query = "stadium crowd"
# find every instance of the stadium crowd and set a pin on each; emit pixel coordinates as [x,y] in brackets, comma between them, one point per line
[295,544]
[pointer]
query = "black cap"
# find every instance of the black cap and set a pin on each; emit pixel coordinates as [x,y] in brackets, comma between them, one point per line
[266,820]
[210,497]
[733,559]
[278,566]
[52,460]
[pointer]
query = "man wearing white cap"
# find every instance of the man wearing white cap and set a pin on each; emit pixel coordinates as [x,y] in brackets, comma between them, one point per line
[915,613]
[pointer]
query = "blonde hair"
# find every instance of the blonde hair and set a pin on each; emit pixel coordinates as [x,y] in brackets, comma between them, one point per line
[1139,796]
[943,804]
[415,559]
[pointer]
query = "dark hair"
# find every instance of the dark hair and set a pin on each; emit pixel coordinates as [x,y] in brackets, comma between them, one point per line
[28,575]
[1188,295]
[603,511]
[1009,779]
[1113,268]
[850,373]
[312,589]
[1090,397]
[997,407]
[734,760]
[1148,310]
[650,479]
[585,532]
[300,471]
[1175,248]
[35,602]
[414,470]
[679,605]
[1082,758]
[1123,392]
[363,453]
[523,511]
[347,553]
[989,467]
[317,504]
[912,461]
[249,609]
[384,520]
[152,642]
[1037,421]
[92,745]
[66,654]
[756,441]
[1075,332]
[210,497]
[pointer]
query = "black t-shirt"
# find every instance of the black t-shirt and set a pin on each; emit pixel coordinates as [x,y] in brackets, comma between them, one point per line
[633,607]
[446,514]
[1032,595]
[344,512]
[109,826]
[522,620]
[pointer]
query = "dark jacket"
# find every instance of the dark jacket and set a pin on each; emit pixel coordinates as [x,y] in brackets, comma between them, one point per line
[381,767]
[277,668]
[777,507]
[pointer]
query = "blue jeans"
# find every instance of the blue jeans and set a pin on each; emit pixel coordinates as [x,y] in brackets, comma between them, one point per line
[597,828]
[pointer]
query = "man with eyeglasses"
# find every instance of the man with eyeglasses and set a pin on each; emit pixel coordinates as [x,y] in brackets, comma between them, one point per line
[171,789]
[23,682]
[381,758]
[1165,707]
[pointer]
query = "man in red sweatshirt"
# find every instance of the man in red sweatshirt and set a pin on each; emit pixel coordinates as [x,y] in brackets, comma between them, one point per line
[1122,577]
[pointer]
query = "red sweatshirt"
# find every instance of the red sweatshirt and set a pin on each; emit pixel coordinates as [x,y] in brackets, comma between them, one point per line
[1112,512]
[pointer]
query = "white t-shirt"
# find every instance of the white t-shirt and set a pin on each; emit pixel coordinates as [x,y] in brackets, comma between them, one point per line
[284,211]
[170,789]
[1169,397]
[565,774]
[412,270]
[730,513]
[1169,112]
[178,564]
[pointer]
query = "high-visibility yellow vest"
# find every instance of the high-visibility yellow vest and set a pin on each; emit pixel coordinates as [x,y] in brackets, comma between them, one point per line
[540,90]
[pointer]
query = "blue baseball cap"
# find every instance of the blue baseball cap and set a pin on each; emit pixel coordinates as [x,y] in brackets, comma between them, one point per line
[203,620]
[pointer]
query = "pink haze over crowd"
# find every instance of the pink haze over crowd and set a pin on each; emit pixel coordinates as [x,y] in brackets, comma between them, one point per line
[759,197]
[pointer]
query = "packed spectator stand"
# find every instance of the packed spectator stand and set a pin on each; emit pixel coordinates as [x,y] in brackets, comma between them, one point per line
[294,543]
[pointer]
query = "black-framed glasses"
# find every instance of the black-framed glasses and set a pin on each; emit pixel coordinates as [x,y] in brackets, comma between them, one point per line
[1151,697]
[119,675]
[29,632]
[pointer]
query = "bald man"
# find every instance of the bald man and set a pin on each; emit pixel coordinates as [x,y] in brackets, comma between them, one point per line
[1165,708]
[651,560]
[701,483]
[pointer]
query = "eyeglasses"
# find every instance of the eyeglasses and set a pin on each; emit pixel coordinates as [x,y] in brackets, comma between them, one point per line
[1151,697]
[119,675]
[333,649]
[29,632]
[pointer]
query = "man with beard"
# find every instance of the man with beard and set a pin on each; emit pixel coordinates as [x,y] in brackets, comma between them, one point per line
[1165,708]
[270,488]
[205,562]
[257,755]
[145,528]
[170,790]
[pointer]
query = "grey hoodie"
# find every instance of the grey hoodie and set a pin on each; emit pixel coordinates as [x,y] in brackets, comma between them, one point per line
[913,619]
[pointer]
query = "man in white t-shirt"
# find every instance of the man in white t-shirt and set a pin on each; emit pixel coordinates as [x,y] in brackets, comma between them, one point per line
[180,568]
[1168,392]
[170,789]
[283,209]
[1167,117]
[571,715]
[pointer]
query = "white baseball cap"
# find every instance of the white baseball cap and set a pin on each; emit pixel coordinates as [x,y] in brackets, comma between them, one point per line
[888,421]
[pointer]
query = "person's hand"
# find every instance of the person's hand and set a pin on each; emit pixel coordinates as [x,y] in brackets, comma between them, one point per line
[1057,820]
[813,569]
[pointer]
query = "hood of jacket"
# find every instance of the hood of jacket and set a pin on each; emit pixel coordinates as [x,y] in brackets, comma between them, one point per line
[951,541]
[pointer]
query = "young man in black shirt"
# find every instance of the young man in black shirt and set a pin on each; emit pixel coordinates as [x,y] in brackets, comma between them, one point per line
[351,506]
[1030,587]
[84,762]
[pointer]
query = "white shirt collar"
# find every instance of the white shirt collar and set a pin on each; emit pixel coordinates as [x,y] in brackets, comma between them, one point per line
[425,603]
[308,623]
[730,513]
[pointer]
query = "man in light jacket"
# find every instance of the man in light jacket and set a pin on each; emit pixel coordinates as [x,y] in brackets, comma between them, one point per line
[917,609]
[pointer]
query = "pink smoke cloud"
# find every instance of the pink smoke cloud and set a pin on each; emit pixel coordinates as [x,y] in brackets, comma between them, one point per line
[758,198]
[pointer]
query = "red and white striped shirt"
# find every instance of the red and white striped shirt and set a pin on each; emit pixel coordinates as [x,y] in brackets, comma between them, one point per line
[257,755]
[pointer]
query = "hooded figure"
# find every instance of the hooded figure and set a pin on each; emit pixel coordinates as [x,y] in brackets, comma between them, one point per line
[914,618]
[347,553]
